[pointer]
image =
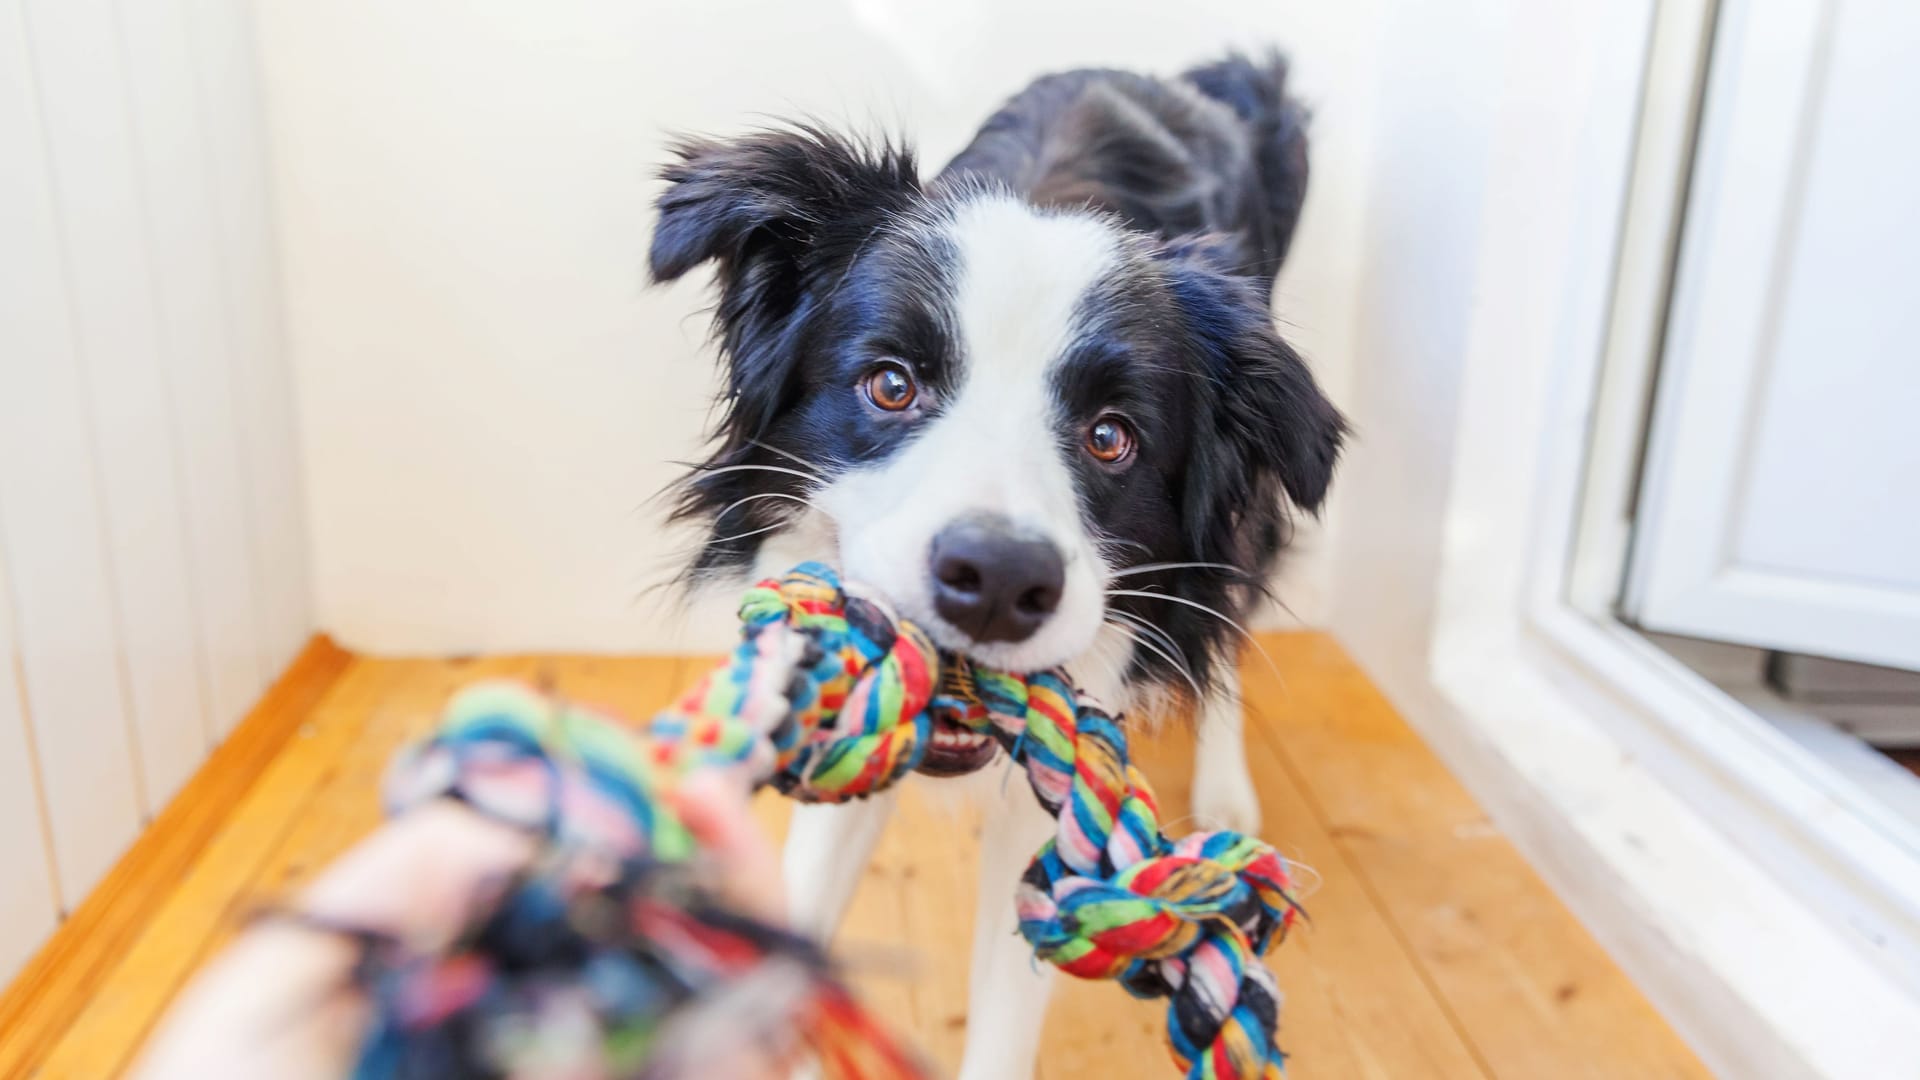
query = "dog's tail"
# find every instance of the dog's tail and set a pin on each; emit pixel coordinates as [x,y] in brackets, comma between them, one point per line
[1256,90]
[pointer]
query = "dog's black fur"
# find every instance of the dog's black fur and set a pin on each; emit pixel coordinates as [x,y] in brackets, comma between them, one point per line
[820,267]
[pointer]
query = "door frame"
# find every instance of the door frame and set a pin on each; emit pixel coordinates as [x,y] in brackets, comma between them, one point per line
[1668,817]
[1799,789]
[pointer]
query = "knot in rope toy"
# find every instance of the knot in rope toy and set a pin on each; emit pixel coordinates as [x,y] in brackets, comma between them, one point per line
[825,697]
[1111,896]
[830,697]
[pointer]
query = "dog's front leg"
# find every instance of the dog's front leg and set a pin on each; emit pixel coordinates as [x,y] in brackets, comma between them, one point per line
[1007,994]
[828,847]
[1223,793]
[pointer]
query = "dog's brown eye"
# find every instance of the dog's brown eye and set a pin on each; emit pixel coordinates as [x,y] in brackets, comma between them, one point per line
[1110,440]
[890,387]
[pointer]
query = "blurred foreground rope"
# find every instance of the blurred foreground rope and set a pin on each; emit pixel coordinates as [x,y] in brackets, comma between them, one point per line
[610,959]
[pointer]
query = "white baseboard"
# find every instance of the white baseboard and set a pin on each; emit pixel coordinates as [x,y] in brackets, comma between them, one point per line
[1745,969]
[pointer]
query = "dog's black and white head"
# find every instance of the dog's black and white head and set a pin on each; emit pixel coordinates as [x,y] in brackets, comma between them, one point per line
[993,413]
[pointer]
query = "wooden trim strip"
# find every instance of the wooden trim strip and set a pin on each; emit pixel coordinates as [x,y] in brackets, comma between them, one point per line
[54,986]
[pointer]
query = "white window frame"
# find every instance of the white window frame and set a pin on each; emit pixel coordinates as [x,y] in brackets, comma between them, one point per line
[1744,886]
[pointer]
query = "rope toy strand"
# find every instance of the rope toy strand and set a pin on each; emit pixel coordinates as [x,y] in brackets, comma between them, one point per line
[1111,896]
[829,697]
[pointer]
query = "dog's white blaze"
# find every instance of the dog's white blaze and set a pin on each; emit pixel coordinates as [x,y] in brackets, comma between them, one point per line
[996,446]
[1023,275]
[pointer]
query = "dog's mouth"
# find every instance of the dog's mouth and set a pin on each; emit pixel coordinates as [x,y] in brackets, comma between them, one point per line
[1026,655]
[955,750]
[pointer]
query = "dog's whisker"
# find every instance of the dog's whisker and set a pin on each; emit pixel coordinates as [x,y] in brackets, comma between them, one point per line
[819,474]
[716,470]
[1217,691]
[1145,624]
[1195,604]
[1198,606]
[1152,567]
[1148,626]
[1198,694]
[744,535]
[801,499]
[1106,539]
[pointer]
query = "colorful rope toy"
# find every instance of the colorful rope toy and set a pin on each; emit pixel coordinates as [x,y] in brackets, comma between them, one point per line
[829,697]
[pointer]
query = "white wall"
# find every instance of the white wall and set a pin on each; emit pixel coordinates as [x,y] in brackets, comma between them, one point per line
[1420,250]
[152,547]
[489,396]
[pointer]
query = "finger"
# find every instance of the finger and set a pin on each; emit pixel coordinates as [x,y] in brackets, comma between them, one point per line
[716,808]
[420,876]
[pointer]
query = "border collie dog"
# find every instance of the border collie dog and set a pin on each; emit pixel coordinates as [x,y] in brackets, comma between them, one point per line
[1038,403]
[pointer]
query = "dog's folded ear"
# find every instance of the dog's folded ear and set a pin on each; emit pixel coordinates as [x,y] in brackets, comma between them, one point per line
[777,194]
[1265,398]
[778,213]
[1285,410]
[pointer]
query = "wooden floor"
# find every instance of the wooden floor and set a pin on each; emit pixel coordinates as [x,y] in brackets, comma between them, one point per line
[1433,949]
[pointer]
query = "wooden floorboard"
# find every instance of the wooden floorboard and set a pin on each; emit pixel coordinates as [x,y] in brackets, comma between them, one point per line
[1432,950]
[74,968]
[189,923]
[1525,984]
[1355,1006]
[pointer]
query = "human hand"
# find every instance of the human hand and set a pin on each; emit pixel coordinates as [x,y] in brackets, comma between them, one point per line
[280,1002]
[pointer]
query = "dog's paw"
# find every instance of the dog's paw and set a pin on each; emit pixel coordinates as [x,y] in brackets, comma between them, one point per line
[1223,794]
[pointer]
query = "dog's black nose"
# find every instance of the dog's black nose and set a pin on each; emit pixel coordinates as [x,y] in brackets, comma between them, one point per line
[993,581]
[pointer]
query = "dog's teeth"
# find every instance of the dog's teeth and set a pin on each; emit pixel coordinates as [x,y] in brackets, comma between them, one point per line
[957,739]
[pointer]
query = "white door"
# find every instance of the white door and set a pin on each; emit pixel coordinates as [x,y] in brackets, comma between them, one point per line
[1781,500]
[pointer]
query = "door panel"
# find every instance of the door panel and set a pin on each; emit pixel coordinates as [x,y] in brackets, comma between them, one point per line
[1779,505]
